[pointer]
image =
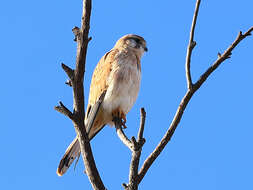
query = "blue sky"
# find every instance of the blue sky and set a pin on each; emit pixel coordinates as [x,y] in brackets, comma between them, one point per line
[212,147]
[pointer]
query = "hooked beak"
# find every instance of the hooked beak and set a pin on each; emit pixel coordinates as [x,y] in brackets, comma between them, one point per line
[145,49]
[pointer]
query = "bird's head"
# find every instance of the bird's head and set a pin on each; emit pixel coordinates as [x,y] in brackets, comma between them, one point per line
[134,42]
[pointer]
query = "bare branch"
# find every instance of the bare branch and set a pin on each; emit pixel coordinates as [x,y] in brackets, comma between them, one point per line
[159,148]
[190,47]
[78,93]
[68,71]
[132,144]
[76,76]
[142,124]
[118,125]
[64,110]
[76,32]
[166,138]
[136,154]
[135,147]
[227,53]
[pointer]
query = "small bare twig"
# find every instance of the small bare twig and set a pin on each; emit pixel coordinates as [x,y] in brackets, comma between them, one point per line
[76,32]
[64,110]
[135,147]
[69,83]
[132,144]
[68,71]
[142,124]
[190,47]
[122,136]
[136,154]
[226,55]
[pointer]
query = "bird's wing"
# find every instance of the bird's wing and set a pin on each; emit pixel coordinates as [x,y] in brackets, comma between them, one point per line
[98,87]
[100,75]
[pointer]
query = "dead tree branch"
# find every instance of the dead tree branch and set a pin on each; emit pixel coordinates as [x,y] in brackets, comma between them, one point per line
[136,154]
[135,146]
[221,58]
[122,136]
[190,47]
[76,81]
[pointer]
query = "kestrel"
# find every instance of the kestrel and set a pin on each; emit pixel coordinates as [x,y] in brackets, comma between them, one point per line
[119,73]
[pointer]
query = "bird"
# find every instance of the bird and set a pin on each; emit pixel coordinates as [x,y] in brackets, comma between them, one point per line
[118,74]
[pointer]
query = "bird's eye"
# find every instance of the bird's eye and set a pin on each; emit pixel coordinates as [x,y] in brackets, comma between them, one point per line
[137,40]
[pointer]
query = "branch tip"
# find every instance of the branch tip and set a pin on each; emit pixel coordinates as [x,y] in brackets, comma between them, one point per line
[69,83]
[61,104]
[143,112]
[68,71]
[190,47]
[125,185]
[76,32]
[64,110]
[142,124]
[193,44]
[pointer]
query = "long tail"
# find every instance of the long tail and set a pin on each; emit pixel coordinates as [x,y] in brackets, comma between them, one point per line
[94,123]
[73,151]
[70,155]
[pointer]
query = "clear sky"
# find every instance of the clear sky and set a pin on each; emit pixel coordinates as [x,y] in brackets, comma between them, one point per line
[212,147]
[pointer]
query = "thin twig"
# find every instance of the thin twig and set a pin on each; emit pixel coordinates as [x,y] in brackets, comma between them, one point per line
[122,136]
[64,110]
[190,47]
[136,154]
[142,124]
[166,138]
[69,83]
[227,53]
[68,71]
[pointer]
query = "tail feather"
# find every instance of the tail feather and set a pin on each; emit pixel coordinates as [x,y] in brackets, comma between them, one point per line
[94,124]
[70,155]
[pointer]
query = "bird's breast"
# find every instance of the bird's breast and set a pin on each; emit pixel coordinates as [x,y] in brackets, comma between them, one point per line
[123,88]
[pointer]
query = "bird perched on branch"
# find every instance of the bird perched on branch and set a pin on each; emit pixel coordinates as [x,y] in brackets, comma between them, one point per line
[118,73]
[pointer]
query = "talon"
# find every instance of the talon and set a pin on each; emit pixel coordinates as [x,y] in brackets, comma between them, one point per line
[123,118]
[124,125]
[120,115]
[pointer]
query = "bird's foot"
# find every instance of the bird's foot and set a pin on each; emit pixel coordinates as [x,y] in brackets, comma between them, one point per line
[119,116]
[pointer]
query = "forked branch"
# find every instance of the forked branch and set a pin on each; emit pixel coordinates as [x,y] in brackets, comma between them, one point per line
[191,90]
[135,146]
[76,81]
